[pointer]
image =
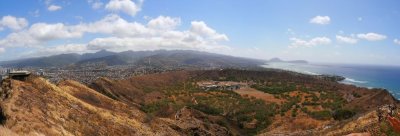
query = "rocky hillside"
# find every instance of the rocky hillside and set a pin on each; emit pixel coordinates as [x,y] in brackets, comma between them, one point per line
[37,107]
[294,103]
[268,102]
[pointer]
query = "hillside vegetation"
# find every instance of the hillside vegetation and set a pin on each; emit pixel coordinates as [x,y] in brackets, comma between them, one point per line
[38,107]
[309,102]
[272,103]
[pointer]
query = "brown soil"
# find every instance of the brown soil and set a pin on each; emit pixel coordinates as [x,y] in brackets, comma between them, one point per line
[37,107]
[251,92]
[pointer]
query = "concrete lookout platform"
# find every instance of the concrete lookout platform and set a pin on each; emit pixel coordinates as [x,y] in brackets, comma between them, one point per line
[19,75]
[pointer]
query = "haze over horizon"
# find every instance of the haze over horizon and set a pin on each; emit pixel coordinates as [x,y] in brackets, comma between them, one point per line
[355,32]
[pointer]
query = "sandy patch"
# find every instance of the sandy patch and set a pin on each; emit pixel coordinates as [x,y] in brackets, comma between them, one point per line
[269,98]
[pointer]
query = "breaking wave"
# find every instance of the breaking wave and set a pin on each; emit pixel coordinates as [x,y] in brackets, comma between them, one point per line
[355,81]
[310,73]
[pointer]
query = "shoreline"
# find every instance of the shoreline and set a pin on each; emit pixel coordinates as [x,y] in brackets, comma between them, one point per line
[351,81]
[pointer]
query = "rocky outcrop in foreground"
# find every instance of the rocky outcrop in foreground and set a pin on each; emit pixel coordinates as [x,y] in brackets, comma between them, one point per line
[37,107]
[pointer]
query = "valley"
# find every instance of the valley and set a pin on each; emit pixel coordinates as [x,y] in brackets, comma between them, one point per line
[269,102]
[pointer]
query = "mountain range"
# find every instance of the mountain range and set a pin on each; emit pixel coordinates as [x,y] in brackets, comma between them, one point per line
[156,58]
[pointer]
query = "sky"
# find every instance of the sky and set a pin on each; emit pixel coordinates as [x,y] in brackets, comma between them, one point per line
[335,31]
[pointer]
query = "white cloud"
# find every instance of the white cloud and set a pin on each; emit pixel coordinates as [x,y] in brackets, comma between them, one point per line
[13,22]
[79,18]
[119,35]
[48,2]
[377,56]
[40,33]
[2,50]
[296,42]
[201,28]
[160,33]
[116,26]
[348,40]
[54,8]
[18,39]
[125,6]
[321,20]
[396,41]
[96,4]
[60,49]
[371,36]
[46,32]
[35,13]
[164,23]
[290,32]
[151,43]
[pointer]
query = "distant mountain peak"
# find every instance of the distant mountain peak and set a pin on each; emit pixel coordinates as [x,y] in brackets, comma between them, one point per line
[276,60]
[289,61]
[104,51]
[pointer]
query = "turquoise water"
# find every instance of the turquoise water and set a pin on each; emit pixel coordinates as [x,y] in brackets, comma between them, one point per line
[387,77]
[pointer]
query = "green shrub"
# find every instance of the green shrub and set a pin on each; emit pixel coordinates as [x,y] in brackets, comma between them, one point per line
[294,112]
[356,95]
[304,109]
[207,109]
[155,106]
[320,115]
[314,98]
[289,104]
[342,114]
[275,89]
[309,103]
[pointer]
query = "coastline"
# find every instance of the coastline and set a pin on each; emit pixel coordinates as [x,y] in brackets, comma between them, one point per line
[346,80]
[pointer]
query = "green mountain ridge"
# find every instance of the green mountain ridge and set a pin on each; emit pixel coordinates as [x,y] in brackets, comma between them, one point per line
[156,58]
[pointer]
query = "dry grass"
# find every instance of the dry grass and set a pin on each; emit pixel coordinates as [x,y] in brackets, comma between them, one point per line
[135,89]
[361,122]
[305,123]
[251,92]
[69,109]
[6,132]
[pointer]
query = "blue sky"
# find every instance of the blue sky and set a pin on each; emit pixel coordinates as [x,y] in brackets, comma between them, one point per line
[339,31]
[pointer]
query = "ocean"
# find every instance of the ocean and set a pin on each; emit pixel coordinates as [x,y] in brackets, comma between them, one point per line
[387,77]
